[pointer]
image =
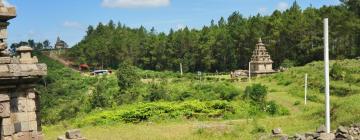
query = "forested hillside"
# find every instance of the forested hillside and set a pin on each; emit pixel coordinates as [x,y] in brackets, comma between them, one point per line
[293,37]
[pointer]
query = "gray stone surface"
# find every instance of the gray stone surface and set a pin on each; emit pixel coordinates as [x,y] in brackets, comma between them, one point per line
[321,129]
[342,130]
[24,105]
[276,131]
[4,97]
[326,136]
[23,116]
[27,136]
[25,126]
[18,75]
[6,138]
[4,109]
[7,130]
[73,134]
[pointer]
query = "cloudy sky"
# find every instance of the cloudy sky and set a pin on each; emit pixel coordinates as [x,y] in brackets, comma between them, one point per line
[47,19]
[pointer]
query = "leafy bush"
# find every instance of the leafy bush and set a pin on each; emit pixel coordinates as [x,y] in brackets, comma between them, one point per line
[256,93]
[157,92]
[288,63]
[159,110]
[127,76]
[274,109]
[215,91]
[337,72]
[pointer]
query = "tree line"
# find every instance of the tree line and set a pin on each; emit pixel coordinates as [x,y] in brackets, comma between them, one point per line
[292,37]
[31,43]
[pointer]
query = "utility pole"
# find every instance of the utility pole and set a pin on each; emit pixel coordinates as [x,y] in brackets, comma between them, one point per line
[327,78]
[306,82]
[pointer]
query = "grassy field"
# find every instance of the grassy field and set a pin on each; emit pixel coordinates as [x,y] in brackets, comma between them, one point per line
[286,89]
[228,129]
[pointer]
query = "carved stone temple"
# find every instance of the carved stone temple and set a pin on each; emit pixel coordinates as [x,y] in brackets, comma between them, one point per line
[19,112]
[261,62]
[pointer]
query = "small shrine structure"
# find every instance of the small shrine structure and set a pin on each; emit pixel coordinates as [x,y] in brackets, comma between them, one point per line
[261,63]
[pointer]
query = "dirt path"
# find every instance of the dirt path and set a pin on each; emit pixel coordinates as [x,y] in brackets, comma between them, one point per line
[54,56]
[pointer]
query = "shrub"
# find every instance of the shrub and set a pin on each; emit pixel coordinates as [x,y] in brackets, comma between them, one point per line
[297,103]
[272,108]
[127,76]
[256,93]
[288,63]
[337,72]
[159,110]
[157,92]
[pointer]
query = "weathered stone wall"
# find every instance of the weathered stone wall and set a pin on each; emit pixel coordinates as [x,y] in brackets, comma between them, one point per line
[19,111]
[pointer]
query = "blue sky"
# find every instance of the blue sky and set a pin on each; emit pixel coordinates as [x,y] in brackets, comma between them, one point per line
[47,19]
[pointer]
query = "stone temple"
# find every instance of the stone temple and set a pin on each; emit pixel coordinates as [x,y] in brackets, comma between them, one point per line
[261,62]
[19,112]
[60,44]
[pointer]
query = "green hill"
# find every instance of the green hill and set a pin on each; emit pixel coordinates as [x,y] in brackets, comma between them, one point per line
[170,106]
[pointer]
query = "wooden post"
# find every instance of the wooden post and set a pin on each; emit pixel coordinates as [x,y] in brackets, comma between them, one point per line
[306,82]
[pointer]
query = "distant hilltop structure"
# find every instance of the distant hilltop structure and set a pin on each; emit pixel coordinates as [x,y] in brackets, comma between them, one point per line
[60,44]
[261,62]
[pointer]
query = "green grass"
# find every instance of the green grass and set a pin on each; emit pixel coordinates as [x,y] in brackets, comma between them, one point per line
[284,88]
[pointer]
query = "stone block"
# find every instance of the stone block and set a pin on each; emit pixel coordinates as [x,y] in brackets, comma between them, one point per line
[326,136]
[7,121]
[4,109]
[7,130]
[3,33]
[25,126]
[26,136]
[342,130]
[64,138]
[73,134]
[276,131]
[321,129]
[23,116]
[6,137]
[7,127]
[5,60]
[3,68]
[4,97]
[24,105]
[61,138]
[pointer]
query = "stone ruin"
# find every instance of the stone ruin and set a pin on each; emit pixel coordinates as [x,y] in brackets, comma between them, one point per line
[72,135]
[351,132]
[19,111]
[261,63]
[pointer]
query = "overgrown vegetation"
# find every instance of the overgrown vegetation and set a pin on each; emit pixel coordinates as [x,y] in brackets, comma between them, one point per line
[134,96]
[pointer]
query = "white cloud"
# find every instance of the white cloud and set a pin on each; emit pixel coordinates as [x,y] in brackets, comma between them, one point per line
[262,10]
[72,24]
[7,4]
[134,3]
[282,6]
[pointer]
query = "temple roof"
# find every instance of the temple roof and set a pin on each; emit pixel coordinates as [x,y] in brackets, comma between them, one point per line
[260,54]
[6,13]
